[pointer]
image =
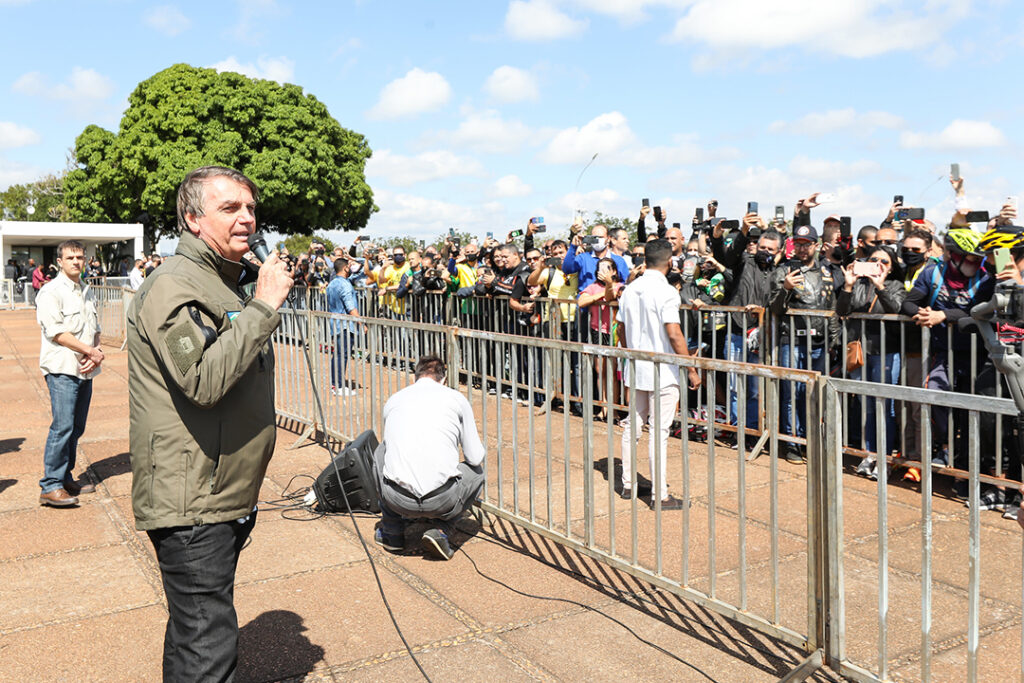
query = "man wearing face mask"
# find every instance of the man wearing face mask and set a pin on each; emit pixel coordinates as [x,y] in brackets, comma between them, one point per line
[584,265]
[802,283]
[752,275]
[943,294]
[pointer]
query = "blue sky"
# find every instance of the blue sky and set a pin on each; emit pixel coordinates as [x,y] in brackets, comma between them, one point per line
[482,114]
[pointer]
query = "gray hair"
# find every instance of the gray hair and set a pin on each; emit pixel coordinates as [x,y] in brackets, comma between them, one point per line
[191,195]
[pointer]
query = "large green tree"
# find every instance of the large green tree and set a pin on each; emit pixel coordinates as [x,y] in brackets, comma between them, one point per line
[41,200]
[310,170]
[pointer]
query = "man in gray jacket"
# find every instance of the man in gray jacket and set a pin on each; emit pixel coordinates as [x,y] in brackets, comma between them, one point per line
[202,427]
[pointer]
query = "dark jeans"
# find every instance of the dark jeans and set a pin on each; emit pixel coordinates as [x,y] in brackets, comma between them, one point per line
[793,408]
[197,564]
[69,403]
[344,342]
[397,505]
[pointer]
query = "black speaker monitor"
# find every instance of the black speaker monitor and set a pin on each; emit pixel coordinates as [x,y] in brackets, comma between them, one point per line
[355,467]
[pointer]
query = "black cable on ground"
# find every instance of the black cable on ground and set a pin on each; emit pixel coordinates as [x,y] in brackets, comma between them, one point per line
[348,507]
[591,609]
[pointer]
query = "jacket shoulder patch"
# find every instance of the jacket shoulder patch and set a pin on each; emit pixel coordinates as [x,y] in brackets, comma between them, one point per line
[185,346]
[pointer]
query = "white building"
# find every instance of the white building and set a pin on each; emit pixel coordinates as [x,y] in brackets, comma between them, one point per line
[22,240]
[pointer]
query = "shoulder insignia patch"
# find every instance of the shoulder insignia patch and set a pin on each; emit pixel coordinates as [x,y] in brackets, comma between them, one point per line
[185,346]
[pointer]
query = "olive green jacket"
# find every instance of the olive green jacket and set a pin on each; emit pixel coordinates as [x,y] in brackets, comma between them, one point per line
[201,391]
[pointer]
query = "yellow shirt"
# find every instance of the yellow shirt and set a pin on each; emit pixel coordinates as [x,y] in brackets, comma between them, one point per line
[562,287]
[466,274]
[390,276]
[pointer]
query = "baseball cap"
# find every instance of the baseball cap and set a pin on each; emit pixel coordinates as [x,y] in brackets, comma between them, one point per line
[805,232]
[834,217]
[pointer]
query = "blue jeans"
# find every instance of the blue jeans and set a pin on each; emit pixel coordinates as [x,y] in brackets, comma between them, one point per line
[793,418]
[69,404]
[344,341]
[872,372]
[735,350]
[197,566]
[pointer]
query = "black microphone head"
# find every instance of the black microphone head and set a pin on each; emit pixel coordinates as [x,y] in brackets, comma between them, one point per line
[258,246]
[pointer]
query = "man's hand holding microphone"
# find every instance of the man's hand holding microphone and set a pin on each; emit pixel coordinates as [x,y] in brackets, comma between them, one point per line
[274,281]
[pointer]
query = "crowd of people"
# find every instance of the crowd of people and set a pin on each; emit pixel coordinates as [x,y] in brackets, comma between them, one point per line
[569,289]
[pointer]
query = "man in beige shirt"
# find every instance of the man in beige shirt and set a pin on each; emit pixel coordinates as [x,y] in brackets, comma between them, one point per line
[69,357]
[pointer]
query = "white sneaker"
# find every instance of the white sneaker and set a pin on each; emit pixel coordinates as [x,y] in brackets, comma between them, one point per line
[342,391]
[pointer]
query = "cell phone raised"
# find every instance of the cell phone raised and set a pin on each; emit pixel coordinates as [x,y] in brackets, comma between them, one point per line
[515,233]
[645,202]
[553,262]
[537,220]
[954,171]
[977,217]
[751,207]
[911,214]
[826,197]
[729,225]
[897,199]
[451,232]
[698,213]
[844,227]
[1001,258]
[657,214]
[780,212]
[541,228]
[865,268]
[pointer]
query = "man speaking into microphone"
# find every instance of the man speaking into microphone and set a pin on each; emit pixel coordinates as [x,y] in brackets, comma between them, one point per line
[201,400]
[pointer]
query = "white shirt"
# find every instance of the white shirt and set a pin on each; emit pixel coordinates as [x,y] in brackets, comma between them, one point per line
[646,305]
[135,278]
[64,306]
[423,427]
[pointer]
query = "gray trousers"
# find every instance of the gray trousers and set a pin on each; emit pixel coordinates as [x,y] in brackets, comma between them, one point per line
[446,503]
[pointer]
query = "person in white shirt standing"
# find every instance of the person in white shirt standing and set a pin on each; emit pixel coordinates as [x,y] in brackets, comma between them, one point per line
[69,357]
[649,320]
[418,469]
[137,275]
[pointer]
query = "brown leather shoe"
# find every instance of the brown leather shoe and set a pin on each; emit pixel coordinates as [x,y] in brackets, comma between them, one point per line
[77,489]
[58,498]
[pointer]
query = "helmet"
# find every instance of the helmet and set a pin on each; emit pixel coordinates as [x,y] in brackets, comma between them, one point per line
[963,241]
[1008,236]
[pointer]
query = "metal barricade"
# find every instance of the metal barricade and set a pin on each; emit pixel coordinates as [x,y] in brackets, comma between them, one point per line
[929,578]
[112,310]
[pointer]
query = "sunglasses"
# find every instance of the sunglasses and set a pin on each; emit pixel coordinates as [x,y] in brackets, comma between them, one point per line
[880,260]
[888,243]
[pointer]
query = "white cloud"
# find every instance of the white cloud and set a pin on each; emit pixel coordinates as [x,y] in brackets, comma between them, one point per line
[610,136]
[850,28]
[627,11]
[84,86]
[487,132]
[15,173]
[13,135]
[414,93]
[167,19]
[960,134]
[540,20]
[280,69]
[511,186]
[509,84]
[830,171]
[423,217]
[817,124]
[400,170]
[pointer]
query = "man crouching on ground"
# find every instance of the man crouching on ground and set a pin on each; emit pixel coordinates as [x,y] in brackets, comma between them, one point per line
[417,465]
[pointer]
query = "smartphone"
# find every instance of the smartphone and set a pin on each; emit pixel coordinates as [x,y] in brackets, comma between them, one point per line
[363,238]
[657,214]
[729,225]
[751,207]
[910,214]
[865,269]
[490,235]
[423,245]
[1012,201]
[780,212]
[977,217]
[826,197]
[537,220]
[553,262]
[451,232]
[954,171]
[645,201]
[844,227]
[897,199]
[1001,258]
[515,233]
[699,213]
[675,225]
[541,228]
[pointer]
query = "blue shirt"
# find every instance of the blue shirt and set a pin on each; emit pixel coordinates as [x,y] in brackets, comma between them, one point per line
[585,264]
[341,298]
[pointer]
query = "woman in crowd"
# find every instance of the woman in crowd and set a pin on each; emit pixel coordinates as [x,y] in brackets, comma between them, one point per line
[597,297]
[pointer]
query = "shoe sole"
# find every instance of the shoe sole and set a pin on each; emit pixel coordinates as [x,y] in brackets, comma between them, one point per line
[50,503]
[431,545]
[387,546]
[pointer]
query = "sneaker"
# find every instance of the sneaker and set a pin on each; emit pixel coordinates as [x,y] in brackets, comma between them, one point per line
[435,542]
[523,401]
[670,503]
[792,454]
[866,466]
[491,391]
[507,394]
[992,499]
[393,543]
[1013,507]
[940,458]
[342,391]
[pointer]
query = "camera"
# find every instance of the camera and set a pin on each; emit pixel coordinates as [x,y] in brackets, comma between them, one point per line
[589,241]
[553,262]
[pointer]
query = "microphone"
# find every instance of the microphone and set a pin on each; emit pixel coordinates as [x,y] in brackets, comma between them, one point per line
[258,246]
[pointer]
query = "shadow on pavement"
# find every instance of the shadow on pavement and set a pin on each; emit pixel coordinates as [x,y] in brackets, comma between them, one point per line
[6,484]
[11,445]
[112,466]
[272,646]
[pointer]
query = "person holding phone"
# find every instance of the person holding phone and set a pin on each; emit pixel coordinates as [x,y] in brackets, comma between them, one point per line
[877,289]
[603,291]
